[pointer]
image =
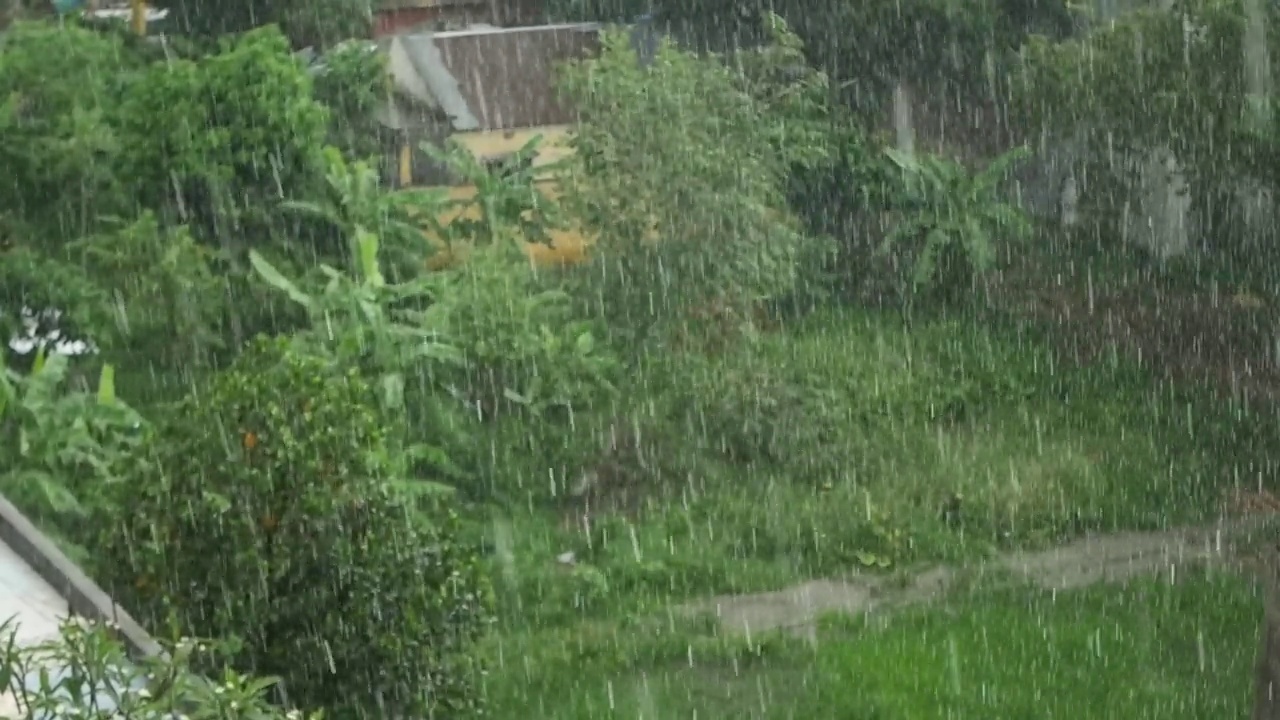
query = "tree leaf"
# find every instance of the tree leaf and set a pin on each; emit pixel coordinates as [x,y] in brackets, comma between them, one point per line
[107,385]
[367,247]
[276,279]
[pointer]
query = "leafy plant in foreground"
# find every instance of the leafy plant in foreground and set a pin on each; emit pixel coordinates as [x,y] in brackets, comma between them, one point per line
[87,673]
[358,317]
[360,320]
[60,447]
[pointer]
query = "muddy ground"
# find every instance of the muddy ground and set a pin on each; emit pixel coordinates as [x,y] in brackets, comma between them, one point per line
[1223,337]
[1238,544]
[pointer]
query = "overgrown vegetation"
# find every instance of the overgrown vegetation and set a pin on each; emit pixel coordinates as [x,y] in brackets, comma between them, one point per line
[274,513]
[357,435]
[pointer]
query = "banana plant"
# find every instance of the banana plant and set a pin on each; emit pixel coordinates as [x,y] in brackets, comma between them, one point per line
[952,219]
[357,202]
[363,320]
[355,316]
[57,445]
[509,203]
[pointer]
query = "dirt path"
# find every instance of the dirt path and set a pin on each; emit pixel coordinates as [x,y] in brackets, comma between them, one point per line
[1096,559]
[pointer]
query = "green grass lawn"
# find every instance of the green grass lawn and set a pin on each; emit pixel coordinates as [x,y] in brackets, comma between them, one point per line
[946,443]
[1148,650]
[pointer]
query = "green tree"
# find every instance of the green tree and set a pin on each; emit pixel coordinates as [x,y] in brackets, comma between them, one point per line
[134,185]
[942,43]
[353,82]
[222,139]
[57,145]
[273,511]
[304,22]
[693,215]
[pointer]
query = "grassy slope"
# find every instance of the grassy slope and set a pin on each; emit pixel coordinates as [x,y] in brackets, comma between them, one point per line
[1149,650]
[1037,452]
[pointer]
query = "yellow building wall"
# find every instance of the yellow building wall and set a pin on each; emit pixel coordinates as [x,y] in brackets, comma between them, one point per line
[498,143]
[567,247]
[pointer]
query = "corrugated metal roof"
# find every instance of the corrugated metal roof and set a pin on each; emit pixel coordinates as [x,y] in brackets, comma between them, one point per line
[485,78]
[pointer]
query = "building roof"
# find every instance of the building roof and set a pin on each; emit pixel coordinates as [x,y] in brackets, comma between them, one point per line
[483,78]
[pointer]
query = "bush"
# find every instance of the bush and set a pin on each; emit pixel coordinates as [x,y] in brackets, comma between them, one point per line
[951,221]
[276,516]
[816,401]
[692,215]
[522,348]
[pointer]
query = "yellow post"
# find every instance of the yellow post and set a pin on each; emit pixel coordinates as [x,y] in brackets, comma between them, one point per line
[406,163]
[138,16]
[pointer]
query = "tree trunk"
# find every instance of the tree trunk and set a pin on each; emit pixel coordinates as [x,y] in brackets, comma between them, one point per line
[903,126]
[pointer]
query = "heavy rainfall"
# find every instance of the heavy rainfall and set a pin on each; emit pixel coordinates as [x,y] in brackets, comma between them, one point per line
[647,359]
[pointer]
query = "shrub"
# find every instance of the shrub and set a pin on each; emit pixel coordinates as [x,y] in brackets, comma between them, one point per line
[815,401]
[952,220]
[691,214]
[87,673]
[521,345]
[276,516]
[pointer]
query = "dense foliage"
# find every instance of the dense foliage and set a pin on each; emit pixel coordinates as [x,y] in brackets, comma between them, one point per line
[61,446]
[716,242]
[172,168]
[352,80]
[272,513]
[372,385]
[1146,84]
[305,23]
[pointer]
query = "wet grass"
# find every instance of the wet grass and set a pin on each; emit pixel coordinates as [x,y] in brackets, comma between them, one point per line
[950,443]
[1149,650]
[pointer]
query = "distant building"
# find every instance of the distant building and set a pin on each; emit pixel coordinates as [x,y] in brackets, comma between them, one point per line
[491,89]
